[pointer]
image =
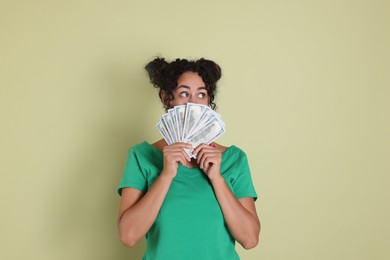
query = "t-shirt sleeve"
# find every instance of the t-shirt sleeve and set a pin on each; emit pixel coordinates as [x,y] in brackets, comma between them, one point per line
[243,185]
[133,176]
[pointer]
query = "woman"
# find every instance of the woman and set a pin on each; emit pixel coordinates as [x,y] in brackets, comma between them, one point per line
[187,208]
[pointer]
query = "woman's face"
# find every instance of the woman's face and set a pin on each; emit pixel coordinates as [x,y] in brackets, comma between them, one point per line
[190,89]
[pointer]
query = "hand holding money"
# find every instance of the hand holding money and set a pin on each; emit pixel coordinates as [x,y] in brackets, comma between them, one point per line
[173,155]
[191,123]
[209,160]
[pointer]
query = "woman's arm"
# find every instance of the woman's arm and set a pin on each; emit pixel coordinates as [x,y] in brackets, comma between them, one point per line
[239,214]
[138,211]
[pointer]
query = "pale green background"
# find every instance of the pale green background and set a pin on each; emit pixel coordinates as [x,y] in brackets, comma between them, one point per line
[305,92]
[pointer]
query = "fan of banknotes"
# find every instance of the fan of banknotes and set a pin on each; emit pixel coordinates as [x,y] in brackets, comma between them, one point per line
[191,123]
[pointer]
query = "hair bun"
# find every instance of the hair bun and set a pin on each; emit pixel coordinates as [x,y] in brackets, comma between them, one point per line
[157,70]
[212,68]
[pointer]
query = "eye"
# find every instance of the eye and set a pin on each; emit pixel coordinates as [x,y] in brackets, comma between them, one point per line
[183,94]
[202,95]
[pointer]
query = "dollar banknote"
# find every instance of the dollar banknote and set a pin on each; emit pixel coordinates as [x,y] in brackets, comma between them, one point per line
[191,123]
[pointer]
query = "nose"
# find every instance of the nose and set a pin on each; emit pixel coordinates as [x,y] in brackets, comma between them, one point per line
[191,99]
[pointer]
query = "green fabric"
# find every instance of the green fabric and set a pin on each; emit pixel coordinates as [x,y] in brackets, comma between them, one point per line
[190,224]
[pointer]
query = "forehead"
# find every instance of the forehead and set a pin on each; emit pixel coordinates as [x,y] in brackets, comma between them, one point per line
[190,79]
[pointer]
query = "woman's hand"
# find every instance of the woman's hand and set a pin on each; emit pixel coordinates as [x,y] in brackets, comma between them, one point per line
[173,155]
[209,159]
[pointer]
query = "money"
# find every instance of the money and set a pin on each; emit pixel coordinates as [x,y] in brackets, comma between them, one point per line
[191,123]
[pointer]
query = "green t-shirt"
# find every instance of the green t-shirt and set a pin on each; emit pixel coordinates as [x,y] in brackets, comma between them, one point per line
[190,224]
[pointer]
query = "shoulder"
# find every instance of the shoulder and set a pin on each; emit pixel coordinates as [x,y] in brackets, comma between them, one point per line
[234,163]
[140,146]
[228,149]
[235,152]
[140,149]
[234,156]
[146,154]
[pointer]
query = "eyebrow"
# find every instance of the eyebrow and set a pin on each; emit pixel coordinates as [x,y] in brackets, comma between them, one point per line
[187,87]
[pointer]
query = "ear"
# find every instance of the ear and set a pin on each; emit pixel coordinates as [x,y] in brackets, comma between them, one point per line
[163,96]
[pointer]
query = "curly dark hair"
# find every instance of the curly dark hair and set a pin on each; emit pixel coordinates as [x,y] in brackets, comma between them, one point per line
[164,75]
